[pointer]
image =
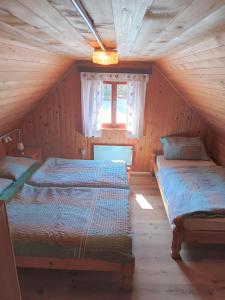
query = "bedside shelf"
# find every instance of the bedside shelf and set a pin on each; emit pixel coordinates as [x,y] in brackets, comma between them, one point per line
[30,152]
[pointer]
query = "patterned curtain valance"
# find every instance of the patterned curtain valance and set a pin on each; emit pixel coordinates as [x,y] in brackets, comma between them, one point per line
[114,76]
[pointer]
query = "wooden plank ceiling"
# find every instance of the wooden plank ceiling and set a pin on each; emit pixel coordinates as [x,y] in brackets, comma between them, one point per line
[39,40]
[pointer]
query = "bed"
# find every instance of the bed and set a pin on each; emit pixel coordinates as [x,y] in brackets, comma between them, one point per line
[196,207]
[73,228]
[87,173]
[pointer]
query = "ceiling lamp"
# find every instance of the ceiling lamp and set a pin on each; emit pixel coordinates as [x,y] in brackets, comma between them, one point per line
[107,57]
[103,56]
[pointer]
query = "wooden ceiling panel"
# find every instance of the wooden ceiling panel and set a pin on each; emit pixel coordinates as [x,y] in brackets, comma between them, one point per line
[25,76]
[128,19]
[157,19]
[139,29]
[193,17]
[40,21]
[199,75]
[65,32]
[102,18]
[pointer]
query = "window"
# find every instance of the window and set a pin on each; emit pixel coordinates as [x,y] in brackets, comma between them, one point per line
[114,112]
[113,100]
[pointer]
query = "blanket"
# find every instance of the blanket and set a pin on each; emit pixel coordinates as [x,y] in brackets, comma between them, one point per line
[71,172]
[91,223]
[193,190]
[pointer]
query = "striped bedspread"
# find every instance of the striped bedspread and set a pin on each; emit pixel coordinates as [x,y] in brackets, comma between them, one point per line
[70,172]
[88,223]
[193,190]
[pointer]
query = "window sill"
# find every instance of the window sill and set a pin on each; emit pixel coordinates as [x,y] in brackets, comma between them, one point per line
[113,129]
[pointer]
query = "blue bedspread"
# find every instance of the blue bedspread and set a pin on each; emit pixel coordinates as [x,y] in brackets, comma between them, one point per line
[61,172]
[193,190]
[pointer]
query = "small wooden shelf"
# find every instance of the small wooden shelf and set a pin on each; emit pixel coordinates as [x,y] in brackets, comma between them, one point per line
[30,152]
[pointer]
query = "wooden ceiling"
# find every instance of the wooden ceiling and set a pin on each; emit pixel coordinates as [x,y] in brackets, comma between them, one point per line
[139,29]
[39,40]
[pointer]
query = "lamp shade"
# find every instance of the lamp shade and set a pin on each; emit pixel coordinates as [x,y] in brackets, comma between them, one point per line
[107,57]
[20,146]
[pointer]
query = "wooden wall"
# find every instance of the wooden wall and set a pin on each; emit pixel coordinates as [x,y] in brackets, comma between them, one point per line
[8,273]
[55,124]
[216,145]
[198,71]
[26,74]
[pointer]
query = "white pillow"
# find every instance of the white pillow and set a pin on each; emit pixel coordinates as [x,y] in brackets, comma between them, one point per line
[13,167]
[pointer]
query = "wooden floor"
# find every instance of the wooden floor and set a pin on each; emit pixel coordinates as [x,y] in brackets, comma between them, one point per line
[201,274]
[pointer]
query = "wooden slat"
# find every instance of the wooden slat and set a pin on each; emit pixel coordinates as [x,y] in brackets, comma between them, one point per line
[128,19]
[14,85]
[212,24]
[157,19]
[64,31]
[47,25]
[23,53]
[25,76]
[188,20]
[103,20]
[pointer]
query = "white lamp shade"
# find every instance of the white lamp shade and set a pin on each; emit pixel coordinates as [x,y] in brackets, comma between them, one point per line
[20,146]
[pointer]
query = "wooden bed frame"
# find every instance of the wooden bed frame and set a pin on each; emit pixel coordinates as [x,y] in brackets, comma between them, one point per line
[8,275]
[126,270]
[182,233]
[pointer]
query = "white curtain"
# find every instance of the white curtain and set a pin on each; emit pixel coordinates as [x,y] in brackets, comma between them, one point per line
[136,108]
[91,102]
[92,99]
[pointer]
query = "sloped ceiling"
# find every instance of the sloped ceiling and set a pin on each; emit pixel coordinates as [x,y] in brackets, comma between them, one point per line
[39,40]
[197,70]
[26,74]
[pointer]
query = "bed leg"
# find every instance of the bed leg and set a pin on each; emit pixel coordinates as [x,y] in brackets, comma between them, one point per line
[176,243]
[127,277]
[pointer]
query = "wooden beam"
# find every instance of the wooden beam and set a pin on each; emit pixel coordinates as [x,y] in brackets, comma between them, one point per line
[121,67]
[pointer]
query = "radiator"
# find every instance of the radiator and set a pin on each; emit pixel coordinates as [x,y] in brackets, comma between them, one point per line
[114,152]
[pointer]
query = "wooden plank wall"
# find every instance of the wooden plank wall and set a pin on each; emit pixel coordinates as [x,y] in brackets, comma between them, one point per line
[55,124]
[198,71]
[8,273]
[216,145]
[26,74]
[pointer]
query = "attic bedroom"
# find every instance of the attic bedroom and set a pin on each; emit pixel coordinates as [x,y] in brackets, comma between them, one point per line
[112,149]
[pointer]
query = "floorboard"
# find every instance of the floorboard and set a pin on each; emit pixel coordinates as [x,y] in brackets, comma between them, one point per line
[201,274]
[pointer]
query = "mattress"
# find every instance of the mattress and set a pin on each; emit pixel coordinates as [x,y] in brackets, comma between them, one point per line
[193,191]
[85,223]
[165,163]
[71,172]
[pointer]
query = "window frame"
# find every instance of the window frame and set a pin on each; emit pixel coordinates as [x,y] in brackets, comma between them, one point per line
[113,124]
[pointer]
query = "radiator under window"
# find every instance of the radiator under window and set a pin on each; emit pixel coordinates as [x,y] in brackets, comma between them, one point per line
[114,152]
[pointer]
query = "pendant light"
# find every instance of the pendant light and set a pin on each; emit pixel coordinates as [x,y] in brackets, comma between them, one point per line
[100,56]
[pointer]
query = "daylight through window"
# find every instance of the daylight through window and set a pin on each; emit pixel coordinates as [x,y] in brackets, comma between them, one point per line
[114,112]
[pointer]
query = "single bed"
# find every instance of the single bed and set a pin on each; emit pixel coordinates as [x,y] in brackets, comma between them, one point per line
[87,173]
[193,193]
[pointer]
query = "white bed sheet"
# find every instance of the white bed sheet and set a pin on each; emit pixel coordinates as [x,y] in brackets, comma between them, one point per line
[166,163]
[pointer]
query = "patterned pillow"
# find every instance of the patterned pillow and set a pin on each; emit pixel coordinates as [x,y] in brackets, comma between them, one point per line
[4,183]
[13,167]
[183,148]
